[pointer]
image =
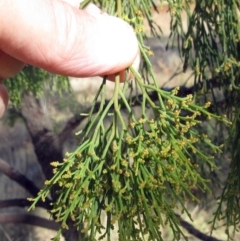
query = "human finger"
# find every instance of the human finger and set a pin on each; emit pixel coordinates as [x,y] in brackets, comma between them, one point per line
[9,66]
[66,40]
[92,8]
[126,75]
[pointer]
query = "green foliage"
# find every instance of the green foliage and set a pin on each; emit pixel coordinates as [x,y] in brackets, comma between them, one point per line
[212,45]
[139,171]
[211,42]
[136,172]
[36,81]
[228,208]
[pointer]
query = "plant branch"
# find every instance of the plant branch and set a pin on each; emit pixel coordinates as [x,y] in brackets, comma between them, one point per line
[20,179]
[28,219]
[195,232]
[22,202]
[76,120]
[46,146]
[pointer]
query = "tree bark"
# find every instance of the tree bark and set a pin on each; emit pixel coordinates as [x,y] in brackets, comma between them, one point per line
[47,147]
[22,180]
[28,219]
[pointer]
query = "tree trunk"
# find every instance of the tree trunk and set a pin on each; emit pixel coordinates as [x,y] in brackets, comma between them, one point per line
[46,145]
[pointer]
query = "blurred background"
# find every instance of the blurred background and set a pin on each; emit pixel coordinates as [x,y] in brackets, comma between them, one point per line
[16,147]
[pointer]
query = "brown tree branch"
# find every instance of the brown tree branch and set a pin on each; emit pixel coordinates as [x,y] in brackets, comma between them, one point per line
[190,228]
[47,148]
[46,144]
[20,179]
[22,202]
[195,232]
[28,219]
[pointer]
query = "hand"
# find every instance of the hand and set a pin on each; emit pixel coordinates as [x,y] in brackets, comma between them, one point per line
[59,37]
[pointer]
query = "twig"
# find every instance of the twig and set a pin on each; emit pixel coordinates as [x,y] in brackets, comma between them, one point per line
[47,148]
[40,127]
[20,179]
[28,219]
[195,232]
[76,120]
[21,202]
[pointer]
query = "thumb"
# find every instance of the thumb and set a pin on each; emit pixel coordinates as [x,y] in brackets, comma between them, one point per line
[66,40]
[92,8]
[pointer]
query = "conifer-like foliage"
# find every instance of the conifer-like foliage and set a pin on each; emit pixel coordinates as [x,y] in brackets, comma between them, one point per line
[138,171]
[34,80]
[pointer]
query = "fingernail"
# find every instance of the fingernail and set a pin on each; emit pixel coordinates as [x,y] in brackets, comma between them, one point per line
[92,8]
